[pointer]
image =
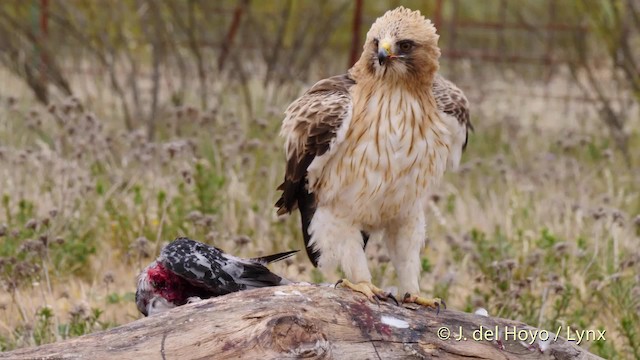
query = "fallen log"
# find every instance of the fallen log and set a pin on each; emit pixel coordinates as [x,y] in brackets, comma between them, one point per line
[297,321]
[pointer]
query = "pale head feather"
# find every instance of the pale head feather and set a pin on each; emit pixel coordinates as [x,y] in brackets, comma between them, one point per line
[398,25]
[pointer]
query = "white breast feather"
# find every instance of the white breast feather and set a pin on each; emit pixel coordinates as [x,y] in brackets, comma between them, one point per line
[383,174]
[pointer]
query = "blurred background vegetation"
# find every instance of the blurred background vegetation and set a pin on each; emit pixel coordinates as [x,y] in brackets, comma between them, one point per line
[180,46]
[124,124]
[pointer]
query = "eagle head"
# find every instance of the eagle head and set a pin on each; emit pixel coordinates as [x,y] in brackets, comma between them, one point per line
[401,44]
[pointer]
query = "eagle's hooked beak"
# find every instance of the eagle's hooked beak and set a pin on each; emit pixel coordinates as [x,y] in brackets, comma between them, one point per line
[384,51]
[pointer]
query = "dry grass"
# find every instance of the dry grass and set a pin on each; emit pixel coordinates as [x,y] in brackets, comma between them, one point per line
[541,223]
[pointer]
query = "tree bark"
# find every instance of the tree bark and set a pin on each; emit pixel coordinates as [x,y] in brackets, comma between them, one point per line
[298,321]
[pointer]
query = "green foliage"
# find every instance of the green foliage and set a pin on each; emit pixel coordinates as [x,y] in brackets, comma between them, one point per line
[425,265]
[81,323]
[207,186]
[316,276]
[510,276]
[34,241]
[451,204]
[43,332]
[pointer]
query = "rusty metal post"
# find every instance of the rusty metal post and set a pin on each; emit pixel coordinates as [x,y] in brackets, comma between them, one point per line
[502,41]
[231,34]
[355,35]
[44,32]
[437,15]
[453,34]
[550,33]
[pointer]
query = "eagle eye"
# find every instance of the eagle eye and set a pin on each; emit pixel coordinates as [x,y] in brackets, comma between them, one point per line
[375,43]
[405,45]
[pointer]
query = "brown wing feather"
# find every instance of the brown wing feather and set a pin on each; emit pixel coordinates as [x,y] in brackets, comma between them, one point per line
[311,127]
[451,100]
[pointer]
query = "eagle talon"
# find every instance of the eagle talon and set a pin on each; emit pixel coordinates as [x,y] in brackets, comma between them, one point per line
[369,290]
[435,303]
[375,299]
[388,296]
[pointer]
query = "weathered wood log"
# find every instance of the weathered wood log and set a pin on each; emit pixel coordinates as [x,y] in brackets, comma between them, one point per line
[296,321]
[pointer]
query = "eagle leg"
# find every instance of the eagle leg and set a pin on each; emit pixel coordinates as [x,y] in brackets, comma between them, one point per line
[435,303]
[372,292]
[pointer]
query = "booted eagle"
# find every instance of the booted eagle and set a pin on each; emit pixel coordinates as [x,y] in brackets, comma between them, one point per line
[364,148]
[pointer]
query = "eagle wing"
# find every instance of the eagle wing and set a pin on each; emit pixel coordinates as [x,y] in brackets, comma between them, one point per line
[314,125]
[452,102]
